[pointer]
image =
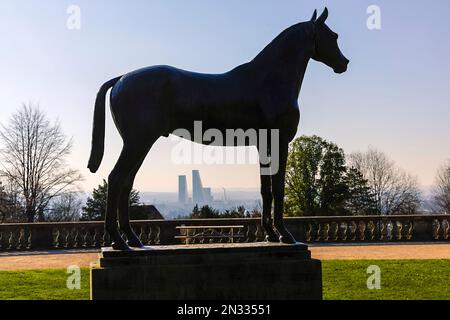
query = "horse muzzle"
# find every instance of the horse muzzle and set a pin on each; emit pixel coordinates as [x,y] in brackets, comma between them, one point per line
[343,67]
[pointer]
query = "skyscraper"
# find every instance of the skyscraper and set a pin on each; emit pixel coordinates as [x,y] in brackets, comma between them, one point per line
[207,195]
[197,188]
[182,190]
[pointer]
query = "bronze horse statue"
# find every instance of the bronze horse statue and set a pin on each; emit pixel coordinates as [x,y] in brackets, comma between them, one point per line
[262,94]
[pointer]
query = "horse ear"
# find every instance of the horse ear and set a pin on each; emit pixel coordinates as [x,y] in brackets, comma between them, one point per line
[314,17]
[323,17]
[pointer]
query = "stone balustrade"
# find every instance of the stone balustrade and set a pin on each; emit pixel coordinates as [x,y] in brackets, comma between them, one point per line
[79,235]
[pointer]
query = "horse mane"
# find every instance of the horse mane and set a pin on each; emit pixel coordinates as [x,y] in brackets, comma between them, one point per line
[279,45]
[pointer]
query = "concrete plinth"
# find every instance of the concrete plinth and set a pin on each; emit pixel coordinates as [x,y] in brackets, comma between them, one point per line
[259,271]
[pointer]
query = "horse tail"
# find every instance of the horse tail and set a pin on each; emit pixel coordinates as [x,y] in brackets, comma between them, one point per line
[98,132]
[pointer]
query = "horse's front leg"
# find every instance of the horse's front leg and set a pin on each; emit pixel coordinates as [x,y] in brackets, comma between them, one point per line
[278,187]
[267,197]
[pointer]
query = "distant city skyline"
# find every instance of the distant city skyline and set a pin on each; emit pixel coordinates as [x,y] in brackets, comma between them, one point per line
[394,96]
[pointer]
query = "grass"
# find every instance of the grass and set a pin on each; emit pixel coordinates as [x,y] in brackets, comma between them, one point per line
[400,280]
[41,285]
[343,280]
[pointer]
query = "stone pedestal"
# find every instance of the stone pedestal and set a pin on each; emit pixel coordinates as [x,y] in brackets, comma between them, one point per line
[259,271]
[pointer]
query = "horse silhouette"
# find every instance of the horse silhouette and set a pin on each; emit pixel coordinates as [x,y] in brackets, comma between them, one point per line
[262,94]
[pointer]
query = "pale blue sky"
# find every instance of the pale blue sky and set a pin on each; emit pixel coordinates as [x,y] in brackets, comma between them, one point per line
[395,95]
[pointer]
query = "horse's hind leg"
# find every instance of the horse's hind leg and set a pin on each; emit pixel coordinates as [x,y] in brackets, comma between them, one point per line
[121,171]
[124,215]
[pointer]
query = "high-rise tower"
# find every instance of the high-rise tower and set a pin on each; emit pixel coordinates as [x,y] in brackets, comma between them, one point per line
[182,190]
[197,188]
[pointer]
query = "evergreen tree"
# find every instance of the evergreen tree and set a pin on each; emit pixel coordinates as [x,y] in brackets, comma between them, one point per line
[361,199]
[95,208]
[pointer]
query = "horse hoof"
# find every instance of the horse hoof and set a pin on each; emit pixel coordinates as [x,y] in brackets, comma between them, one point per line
[286,236]
[272,237]
[120,246]
[135,244]
[287,239]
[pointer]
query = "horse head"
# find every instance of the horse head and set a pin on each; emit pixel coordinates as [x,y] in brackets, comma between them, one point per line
[326,47]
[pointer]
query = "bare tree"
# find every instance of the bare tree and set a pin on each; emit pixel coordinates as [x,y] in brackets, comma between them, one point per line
[65,208]
[396,192]
[442,190]
[33,157]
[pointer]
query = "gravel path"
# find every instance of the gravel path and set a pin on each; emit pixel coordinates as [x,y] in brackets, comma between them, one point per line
[63,259]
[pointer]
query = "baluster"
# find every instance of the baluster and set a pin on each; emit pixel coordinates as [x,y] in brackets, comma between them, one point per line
[319,231]
[309,233]
[353,228]
[371,228]
[389,231]
[335,231]
[410,232]
[84,237]
[248,235]
[21,239]
[208,235]
[362,230]
[26,244]
[215,232]
[445,227]
[344,229]
[150,235]
[201,235]
[76,240]
[12,241]
[95,238]
[91,237]
[239,235]
[436,229]
[197,233]
[87,238]
[29,239]
[399,230]
[58,238]
[326,232]
[223,234]
[104,239]
[143,235]
[382,230]
[158,235]
[258,233]
[68,238]
[26,238]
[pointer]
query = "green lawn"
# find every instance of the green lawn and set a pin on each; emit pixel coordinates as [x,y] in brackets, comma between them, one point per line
[343,280]
[41,285]
[400,280]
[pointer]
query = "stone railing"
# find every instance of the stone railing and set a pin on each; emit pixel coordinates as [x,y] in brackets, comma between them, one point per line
[86,235]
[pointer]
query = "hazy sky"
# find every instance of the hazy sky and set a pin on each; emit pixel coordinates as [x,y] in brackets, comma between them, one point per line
[395,95]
